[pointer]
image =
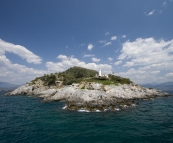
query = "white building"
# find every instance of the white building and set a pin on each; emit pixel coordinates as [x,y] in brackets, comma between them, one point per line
[100,72]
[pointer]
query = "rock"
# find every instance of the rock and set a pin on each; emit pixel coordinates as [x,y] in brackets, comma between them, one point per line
[47,93]
[93,97]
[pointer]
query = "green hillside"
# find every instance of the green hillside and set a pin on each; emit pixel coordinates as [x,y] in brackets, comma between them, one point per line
[77,75]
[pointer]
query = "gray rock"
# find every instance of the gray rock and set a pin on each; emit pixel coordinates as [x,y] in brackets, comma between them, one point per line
[95,97]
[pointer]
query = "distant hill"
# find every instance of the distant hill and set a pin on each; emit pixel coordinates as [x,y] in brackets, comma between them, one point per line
[166,86]
[6,85]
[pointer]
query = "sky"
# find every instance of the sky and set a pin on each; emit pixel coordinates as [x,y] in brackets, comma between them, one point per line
[132,39]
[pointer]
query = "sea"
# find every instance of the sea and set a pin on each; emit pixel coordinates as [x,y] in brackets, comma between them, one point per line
[25,119]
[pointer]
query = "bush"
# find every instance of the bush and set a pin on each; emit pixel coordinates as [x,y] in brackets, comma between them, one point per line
[83,87]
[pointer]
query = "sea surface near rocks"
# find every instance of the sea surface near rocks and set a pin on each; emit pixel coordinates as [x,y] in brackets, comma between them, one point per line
[24,119]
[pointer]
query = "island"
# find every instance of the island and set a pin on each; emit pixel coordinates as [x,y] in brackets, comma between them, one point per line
[87,90]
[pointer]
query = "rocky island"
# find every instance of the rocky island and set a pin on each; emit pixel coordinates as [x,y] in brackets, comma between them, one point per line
[88,90]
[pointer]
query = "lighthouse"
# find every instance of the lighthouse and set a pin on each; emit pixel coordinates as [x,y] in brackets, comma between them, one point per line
[100,72]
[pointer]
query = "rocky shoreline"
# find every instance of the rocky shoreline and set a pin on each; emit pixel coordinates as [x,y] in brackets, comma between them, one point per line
[95,97]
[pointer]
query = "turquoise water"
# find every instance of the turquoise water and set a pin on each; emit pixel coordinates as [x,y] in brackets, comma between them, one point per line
[30,120]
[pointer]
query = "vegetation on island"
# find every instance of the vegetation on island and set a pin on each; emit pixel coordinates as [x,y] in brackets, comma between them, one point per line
[78,75]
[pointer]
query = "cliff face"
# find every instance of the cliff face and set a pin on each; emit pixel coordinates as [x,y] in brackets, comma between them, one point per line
[93,97]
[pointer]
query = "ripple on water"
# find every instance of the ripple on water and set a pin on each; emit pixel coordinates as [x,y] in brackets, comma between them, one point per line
[24,119]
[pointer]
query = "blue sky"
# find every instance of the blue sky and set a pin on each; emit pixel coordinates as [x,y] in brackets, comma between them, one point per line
[131,38]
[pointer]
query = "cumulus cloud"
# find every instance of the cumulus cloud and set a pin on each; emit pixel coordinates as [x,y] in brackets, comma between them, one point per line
[164,3]
[16,73]
[103,41]
[151,13]
[124,36]
[141,76]
[90,46]
[67,62]
[146,51]
[13,72]
[95,59]
[113,38]
[118,62]
[107,33]
[169,74]
[20,51]
[107,44]
[110,59]
[149,60]
[88,55]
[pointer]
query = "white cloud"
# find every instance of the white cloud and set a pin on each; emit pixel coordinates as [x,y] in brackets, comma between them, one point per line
[110,59]
[88,55]
[164,3]
[151,60]
[151,13]
[67,62]
[102,41]
[107,33]
[146,51]
[16,73]
[113,38]
[20,51]
[142,76]
[118,62]
[107,44]
[124,36]
[13,72]
[95,59]
[169,75]
[62,57]
[90,46]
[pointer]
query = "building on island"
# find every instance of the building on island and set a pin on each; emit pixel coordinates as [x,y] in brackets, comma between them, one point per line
[100,74]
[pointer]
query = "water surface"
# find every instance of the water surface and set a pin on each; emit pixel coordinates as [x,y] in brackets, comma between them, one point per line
[28,119]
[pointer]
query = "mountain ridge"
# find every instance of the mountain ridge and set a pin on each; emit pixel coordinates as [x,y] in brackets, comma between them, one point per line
[6,85]
[165,86]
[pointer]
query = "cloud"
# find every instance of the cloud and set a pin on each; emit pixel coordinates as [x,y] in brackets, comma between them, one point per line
[141,76]
[110,59]
[107,44]
[90,46]
[148,60]
[20,51]
[13,72]
[169,75]
[113,38]
[102,41]
[164,3]
[124,36]
[107,33]
[146,51]
[82,45]
[151,13]
[88,55]
[118,62]
[95,59]
[67,62]
[16,73]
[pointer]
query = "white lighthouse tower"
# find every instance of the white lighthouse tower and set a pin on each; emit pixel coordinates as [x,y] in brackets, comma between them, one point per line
[100,72]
